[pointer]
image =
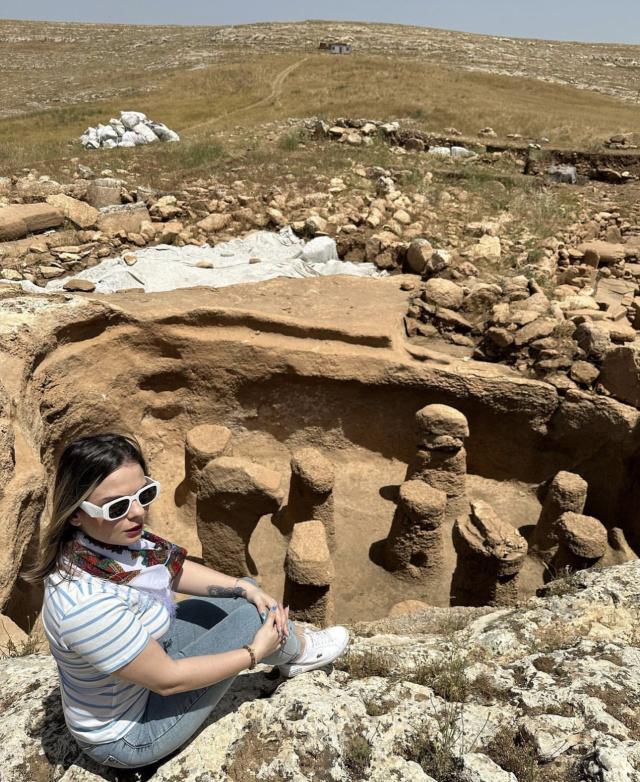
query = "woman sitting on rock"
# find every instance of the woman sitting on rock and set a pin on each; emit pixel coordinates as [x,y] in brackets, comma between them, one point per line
[139,674]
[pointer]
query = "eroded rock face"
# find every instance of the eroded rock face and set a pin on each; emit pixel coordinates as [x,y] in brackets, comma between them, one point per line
[559,673]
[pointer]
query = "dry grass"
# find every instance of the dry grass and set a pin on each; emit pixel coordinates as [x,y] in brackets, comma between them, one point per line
[203,103]
[363,666]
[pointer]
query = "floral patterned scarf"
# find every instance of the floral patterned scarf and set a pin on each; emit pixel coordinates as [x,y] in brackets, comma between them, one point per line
[149,566]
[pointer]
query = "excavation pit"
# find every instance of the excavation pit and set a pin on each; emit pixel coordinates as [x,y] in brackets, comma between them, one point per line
[287,365]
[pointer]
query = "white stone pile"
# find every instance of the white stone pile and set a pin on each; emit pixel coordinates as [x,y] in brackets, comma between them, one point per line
[131,130]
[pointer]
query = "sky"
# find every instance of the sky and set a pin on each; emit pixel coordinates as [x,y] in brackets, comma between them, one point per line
[575,20]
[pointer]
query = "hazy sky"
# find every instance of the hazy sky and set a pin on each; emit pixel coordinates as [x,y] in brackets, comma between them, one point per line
[578,20]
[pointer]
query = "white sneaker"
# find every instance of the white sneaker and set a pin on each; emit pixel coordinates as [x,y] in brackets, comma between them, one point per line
[321,648]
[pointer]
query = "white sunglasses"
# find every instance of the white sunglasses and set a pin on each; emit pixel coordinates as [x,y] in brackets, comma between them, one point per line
[118,508]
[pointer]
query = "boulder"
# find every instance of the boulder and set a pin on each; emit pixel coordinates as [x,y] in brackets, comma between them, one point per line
[606,252]
[104,192]
[621,374]
[19,220]
[81,214]
[214,223]
[488,248]
[443,293]
[419,253]
[127,218]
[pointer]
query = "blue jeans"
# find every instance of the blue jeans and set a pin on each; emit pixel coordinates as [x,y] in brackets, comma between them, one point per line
[203,625]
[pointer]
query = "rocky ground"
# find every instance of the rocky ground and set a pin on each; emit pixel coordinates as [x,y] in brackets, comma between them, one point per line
[141,55]
[510,268]
[520,291]
[544,691]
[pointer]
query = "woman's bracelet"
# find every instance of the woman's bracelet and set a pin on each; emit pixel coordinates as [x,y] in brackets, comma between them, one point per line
[252,654]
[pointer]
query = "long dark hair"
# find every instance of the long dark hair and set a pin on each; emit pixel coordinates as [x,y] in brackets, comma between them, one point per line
[84,464]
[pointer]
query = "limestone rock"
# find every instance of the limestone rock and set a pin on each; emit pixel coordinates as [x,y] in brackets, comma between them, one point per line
[311,492]
[11,636]
[77,284]
[419,253]
[575,650]
[488,247]
[606,252]
[584,536]
[21,219]
[621,374]
[443,293]
[405,607]
[127,218]
[308,559]
[489,536]
[81,214]
[233,495]
[567,492]
[104,192]
[436,420]
[214,223]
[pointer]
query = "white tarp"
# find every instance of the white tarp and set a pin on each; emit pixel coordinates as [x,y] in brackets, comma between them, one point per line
[261,255]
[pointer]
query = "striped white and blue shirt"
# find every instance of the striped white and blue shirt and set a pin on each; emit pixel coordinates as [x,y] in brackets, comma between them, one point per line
[95,627]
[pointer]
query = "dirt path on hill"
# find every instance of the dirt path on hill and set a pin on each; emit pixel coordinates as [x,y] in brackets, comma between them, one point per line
[276,89]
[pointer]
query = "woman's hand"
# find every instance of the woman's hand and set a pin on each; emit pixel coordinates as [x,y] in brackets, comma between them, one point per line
[269,608]
[267,640]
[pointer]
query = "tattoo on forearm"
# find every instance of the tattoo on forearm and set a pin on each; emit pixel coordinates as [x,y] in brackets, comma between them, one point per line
[218,591]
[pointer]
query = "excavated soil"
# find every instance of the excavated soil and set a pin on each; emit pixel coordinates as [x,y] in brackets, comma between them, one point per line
[287,363]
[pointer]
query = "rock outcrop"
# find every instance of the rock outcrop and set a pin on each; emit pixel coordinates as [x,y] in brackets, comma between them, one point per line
[470,693]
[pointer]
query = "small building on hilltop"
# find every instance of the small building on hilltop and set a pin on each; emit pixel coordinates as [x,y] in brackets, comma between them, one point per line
[336,47]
